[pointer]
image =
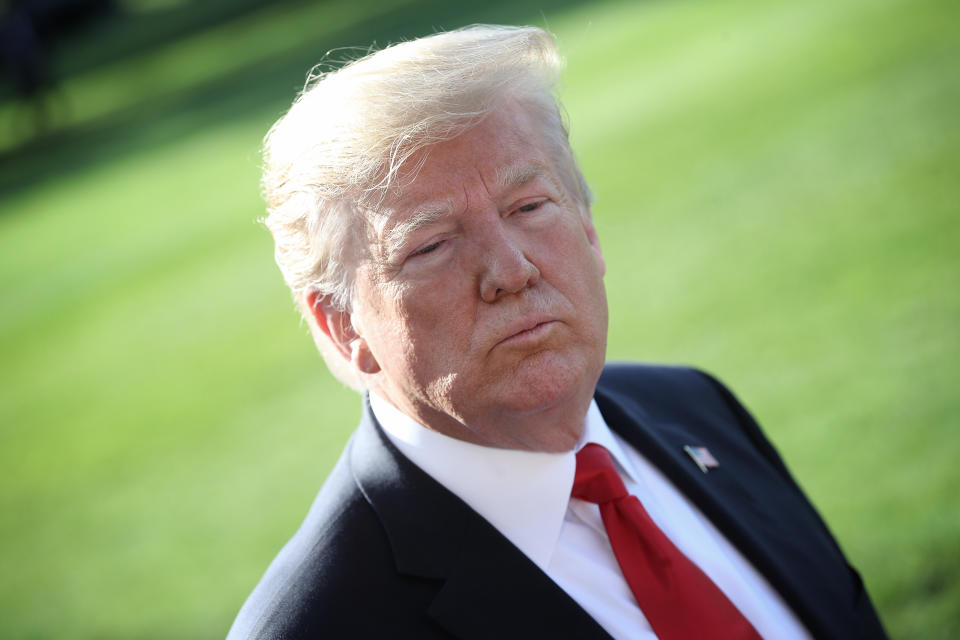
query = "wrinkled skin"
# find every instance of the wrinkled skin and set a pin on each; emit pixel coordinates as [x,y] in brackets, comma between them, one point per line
[485,318]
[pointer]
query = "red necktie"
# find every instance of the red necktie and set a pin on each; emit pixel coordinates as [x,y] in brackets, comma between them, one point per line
[677,598]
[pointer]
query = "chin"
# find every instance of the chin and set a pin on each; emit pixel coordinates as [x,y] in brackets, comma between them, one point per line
[548,381]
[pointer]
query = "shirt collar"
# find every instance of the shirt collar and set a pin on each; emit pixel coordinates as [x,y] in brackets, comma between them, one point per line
[596,431]
[523,494]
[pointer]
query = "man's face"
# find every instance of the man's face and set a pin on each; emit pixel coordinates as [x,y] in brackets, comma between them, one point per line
[482,313]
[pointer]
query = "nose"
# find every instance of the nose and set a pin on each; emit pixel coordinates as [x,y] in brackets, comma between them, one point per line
[505,267]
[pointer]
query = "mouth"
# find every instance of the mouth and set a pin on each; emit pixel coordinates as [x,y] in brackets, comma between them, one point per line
[527,331]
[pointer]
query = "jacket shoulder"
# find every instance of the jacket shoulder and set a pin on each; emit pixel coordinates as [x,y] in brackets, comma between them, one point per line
[683,404]
[638,378]
[668,392]
[336,576]
[671,394]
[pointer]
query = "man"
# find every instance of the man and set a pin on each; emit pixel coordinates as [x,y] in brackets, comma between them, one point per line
[432,223]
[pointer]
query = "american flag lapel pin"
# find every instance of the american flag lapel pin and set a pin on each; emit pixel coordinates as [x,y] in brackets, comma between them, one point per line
[702,457]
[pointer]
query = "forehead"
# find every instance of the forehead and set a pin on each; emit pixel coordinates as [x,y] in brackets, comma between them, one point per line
[504,151]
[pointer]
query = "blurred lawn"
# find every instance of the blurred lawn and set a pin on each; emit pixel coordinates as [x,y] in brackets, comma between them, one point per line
[776,193]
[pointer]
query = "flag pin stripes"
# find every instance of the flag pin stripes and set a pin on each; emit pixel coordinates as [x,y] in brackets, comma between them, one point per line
[702,456]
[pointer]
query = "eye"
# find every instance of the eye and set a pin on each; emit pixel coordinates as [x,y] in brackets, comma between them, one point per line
[531,206]
[433,246]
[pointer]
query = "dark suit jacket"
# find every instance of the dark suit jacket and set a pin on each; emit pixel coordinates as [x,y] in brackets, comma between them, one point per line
[387,552]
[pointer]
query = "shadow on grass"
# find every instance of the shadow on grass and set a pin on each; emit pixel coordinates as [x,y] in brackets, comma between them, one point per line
[265,87]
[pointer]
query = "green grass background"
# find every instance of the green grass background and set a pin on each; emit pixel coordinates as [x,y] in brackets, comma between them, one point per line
[777,199]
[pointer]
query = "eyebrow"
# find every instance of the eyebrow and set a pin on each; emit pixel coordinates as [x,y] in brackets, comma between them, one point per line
[509,177]
[423,216]
[517,175]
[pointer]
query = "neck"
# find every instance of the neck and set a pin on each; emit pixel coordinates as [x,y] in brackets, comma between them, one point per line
[553,429]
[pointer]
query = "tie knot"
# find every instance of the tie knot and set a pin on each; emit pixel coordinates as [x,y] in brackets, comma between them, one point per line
[597,479]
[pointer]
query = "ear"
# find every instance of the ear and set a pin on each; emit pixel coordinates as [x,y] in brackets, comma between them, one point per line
[340,328]
[594,240]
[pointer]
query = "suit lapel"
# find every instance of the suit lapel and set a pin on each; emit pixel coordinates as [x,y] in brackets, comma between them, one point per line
[489,588]
[768,540]
[499,593]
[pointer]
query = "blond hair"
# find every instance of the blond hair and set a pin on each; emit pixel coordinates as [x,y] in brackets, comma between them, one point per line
[339,148]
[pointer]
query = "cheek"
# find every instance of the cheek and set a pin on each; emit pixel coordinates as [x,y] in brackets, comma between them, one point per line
[387,320]
[567,249]
[422,315]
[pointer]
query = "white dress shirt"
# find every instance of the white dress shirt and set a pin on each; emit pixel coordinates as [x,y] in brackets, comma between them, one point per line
[526,496]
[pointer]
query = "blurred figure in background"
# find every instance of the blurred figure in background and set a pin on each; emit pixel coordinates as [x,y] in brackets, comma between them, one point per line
[27,31]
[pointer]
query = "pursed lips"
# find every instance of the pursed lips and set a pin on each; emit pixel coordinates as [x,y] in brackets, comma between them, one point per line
[526,326]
